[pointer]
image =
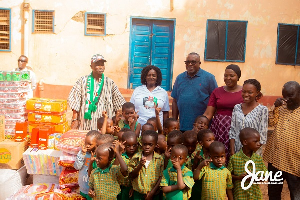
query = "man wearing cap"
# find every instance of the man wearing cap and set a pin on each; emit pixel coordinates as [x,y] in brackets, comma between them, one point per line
[91,95]
[22,62]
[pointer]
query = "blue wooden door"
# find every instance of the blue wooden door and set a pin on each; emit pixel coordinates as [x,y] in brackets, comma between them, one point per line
[151,44]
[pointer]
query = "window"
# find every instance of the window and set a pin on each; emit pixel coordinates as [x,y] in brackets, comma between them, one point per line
[4,29]
[94,24]
[225,40]
[43,21]
[288,48]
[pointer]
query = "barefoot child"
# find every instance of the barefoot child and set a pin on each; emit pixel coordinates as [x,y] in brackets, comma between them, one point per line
[177,181]
[216,179]
[82,162]
[251,142]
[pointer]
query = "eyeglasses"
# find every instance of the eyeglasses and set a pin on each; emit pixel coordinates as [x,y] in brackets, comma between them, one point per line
[193,62]
[22,61]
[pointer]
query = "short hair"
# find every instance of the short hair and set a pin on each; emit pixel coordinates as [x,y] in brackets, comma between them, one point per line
[257,85]
[200,116]
[292,84]
[182,148]
[23,56]
[152,119]
[93,133]
[100,122]
[145,72]
[215,145]
[168,121]
[195,54]
[124,130]
[106,146]
[247,133]
[128,134]
[202,133]
[176,134]
[150,133]
[148,124]
[127,105]
[106,138]
[189,135]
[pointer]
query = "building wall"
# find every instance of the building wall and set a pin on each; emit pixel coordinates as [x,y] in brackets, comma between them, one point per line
[61,58]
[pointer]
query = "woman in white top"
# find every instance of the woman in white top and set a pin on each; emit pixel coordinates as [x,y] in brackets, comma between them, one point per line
[149,94]
[248,114]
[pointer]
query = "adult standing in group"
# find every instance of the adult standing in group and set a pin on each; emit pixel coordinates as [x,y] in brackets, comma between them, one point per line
[282,150]
[221,103]
[150,95]
[191,92]
[248,114]
[22,66]
[92,94]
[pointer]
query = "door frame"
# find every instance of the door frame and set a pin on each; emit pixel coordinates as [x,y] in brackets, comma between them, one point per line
[172,50]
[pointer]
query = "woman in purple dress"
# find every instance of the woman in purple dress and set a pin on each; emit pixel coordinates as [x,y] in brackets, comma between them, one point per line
[221,103]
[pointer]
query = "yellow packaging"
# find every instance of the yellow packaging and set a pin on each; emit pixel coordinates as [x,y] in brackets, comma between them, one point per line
[51,141]
[2,127]
[11,153]
[59,128]
[46,105]
[46,118]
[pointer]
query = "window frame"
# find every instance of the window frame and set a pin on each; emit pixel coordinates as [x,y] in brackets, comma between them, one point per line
[297,43]
[85,24]
[9,49]
[33,20]
[226,34]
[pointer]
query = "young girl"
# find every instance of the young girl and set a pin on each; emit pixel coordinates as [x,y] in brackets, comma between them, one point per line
[248,114]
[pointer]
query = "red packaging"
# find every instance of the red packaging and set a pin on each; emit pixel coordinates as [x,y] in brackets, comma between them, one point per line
[68,178]
[34,139]
[21,131]
[43,138]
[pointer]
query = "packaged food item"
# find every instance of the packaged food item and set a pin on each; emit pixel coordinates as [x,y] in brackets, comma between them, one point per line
[72,141]
[51,141]
[68,178]
[21,131]
[44,133]
[2,127]
[34,139]
[11,153]
[54,106]
[58,128]
[46,118]
[25,75]
[8,76]
[2,76]
[16,76]
[56,140]
[67,160]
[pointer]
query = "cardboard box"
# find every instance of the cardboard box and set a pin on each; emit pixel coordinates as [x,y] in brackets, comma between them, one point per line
[11,153]
[57,106]
[2,127]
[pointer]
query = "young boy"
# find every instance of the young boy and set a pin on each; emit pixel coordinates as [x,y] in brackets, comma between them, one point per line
[201,122]
[101,139]
[121,132]
[170,124]
[82,162]
[161,144]
[216,179]
[205,138]
[174,137]
[131,146]
[250,139]
[190,141]
[107,125]
[130,118]
[145,168]
[177,181]
[147,127]
[103,180]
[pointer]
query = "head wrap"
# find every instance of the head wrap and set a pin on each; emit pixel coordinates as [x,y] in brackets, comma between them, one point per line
[236,69]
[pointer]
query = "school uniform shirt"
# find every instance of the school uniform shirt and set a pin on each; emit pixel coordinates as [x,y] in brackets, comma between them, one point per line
[257,119]
[192,95]
[236,166]
[283,146]
[105,183]
[147,177]
[187,176]
[82,164]
[145,102]
[190,159]
[124,181]
[215,181]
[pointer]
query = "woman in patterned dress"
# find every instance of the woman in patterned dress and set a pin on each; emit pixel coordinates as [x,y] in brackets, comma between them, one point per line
[221,103]
[249,114]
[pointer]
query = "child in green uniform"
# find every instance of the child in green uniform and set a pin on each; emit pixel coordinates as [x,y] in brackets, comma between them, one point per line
[205,138]
[170,124]
[190,141]
[130,118]
[250,140]
[146,168]
[216,178]
[103,180]
[177,181]
[129,140]
[174,137]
